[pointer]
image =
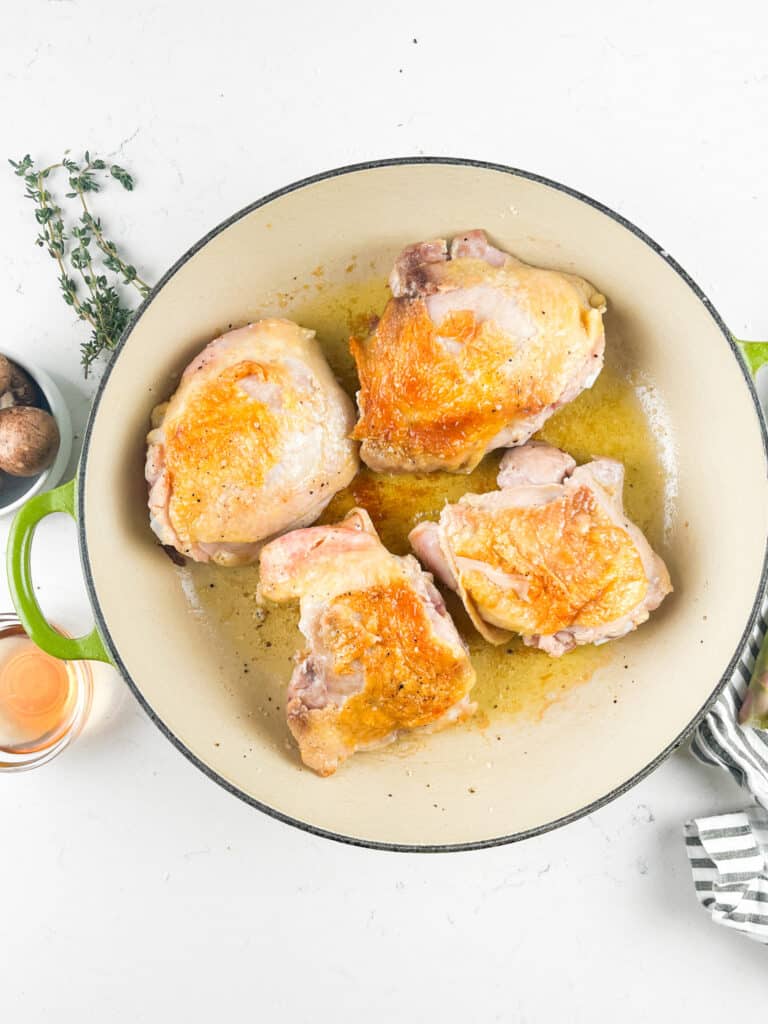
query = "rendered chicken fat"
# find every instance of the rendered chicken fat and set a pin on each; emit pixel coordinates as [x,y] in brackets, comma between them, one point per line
[550,556]
[475,351]
[254,442]
[383,656]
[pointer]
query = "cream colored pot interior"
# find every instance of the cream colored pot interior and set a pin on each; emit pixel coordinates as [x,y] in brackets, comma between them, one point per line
[473,784]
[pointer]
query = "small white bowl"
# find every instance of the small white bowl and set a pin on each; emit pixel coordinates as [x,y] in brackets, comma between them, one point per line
[18,489]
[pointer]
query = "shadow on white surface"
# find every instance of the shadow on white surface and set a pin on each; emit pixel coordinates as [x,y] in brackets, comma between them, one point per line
[109,713]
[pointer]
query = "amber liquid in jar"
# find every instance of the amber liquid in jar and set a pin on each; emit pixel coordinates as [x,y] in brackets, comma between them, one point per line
[37,695]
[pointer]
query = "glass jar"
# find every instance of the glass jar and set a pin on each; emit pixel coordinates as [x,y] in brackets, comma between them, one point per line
[44,703]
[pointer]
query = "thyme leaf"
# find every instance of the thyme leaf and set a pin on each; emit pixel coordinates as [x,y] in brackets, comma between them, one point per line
[83,254]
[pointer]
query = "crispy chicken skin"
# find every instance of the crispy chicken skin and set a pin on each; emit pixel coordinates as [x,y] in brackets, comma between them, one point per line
[383,656]
[551,555]
[474,351]
[253,443]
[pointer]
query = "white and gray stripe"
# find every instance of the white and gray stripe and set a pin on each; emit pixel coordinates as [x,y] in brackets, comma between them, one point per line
[721,741]
[728,853]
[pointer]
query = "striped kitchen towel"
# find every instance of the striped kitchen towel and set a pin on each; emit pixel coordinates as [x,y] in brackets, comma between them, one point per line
[730,872]
[728,853]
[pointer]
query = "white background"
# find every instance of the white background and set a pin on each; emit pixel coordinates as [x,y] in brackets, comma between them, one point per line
[131,887]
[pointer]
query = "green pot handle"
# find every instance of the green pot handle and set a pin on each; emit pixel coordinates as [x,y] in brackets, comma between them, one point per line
[755,354]
[90,647]
[754,709]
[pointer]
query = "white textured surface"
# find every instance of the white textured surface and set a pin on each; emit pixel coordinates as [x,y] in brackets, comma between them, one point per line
[133,889]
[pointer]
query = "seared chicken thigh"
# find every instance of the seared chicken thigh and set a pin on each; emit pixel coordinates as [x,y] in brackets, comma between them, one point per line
[551,555]
[253,443]
[383,654]
[474,351]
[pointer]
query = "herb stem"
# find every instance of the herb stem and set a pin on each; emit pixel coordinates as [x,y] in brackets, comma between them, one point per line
[53,247]
[109,250]
[90,281]
[83,247]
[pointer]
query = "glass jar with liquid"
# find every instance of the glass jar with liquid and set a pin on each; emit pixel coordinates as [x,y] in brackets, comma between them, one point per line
[43,702]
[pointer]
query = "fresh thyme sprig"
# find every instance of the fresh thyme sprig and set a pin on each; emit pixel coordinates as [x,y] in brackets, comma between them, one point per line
[85,248]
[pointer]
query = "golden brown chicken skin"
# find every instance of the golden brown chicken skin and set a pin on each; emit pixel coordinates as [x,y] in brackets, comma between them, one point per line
[253,442]
[551,555]
[383,656]
[474,351]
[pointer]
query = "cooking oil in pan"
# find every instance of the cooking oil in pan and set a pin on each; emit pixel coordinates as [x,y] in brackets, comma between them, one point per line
[611,419]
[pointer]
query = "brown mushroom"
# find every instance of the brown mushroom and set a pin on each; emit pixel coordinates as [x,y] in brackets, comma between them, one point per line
[22,387]
[29,440]
[5,375]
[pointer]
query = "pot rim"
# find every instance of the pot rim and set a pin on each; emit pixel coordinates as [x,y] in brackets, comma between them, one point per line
[178,743]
